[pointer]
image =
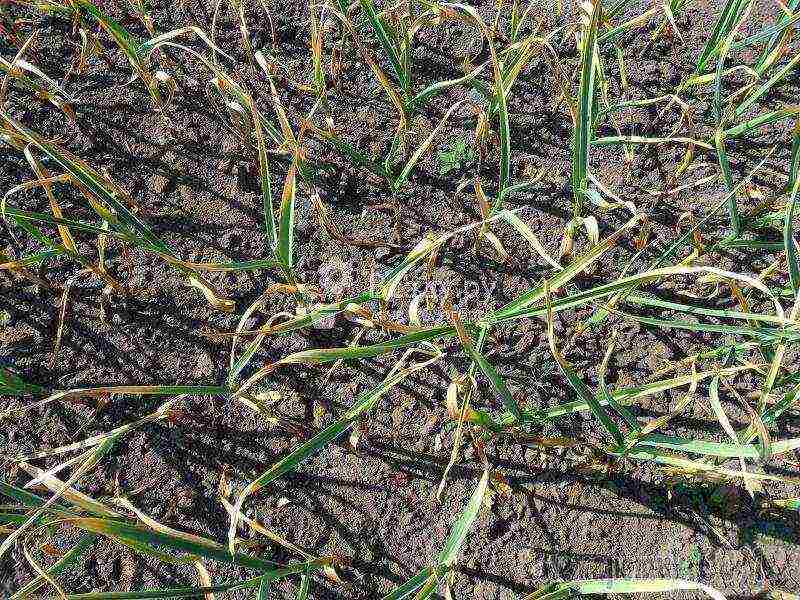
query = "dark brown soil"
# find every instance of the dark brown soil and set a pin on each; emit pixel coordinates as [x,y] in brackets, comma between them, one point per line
[375,507]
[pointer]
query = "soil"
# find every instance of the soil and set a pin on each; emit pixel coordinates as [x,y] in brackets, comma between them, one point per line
[374,507]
